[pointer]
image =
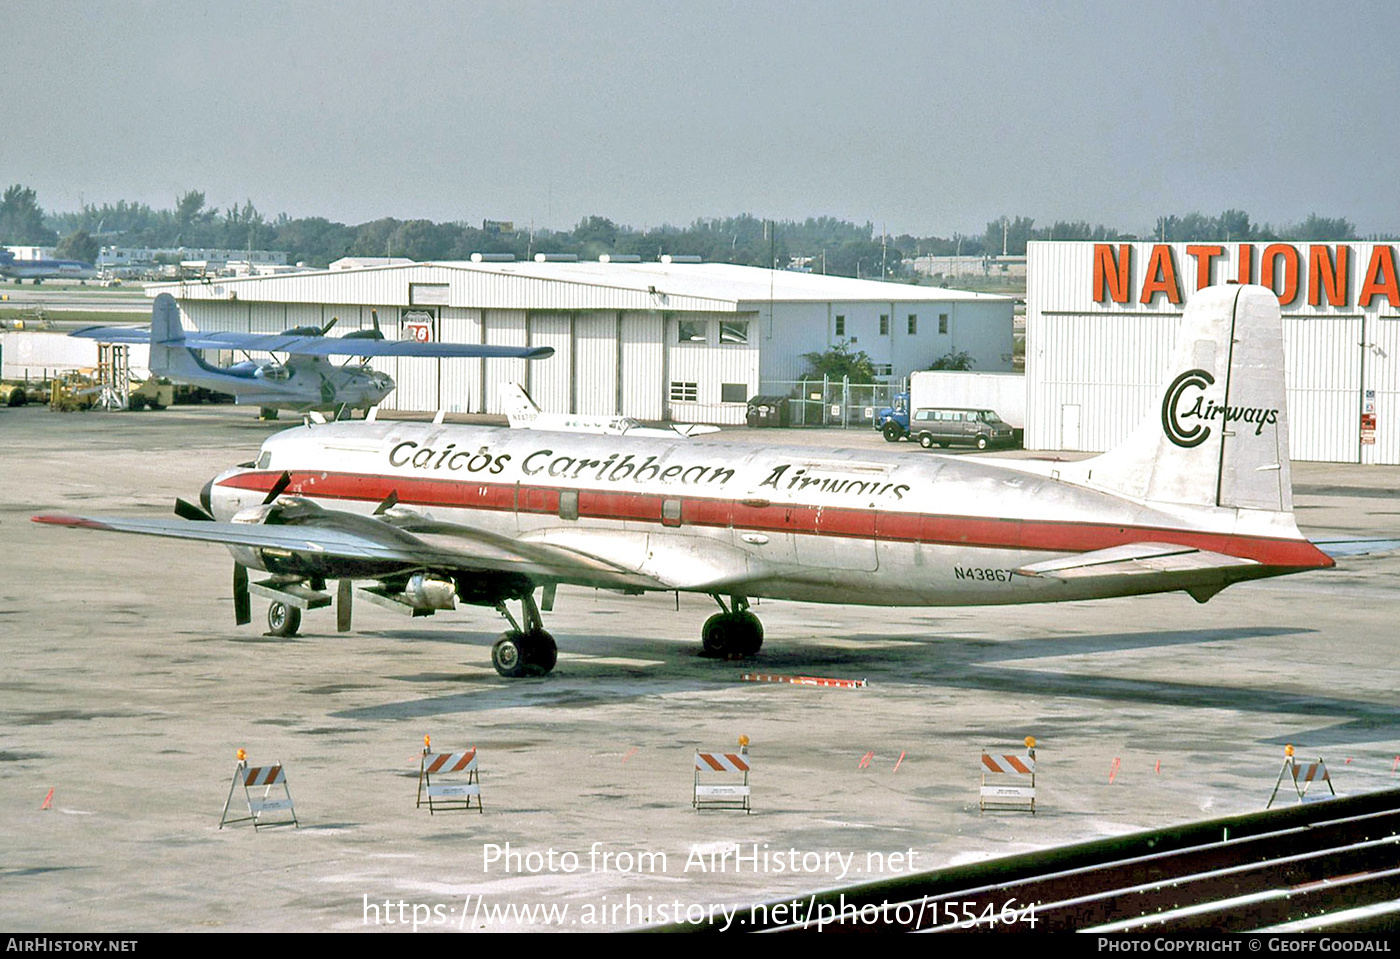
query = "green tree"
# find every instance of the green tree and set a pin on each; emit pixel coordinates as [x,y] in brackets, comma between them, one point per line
[961,360]
[839,362]
[21,219]
[78,245]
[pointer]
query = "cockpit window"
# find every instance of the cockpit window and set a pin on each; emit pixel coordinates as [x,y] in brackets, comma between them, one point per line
[264,458]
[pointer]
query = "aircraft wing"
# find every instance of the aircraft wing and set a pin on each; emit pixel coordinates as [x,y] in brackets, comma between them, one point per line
[1337,548]
[364,539]
[115,334]
[1167,561]
[314,345]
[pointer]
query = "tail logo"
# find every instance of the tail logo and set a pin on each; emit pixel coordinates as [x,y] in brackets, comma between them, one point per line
[1171,422]
[1203,412]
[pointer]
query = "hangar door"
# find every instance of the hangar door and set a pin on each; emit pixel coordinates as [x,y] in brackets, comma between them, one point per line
[416,376]
[1322,355]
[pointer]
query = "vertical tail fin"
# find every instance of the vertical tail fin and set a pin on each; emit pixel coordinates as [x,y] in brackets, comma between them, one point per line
[1218,434]
[169,356]
[519,408]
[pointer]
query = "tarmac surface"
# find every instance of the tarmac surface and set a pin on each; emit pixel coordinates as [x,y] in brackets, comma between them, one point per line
[127,689]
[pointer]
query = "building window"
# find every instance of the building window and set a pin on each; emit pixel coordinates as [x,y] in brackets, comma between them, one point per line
[884,324]
[733,392]
[685,392]
[943,324]
[840,325]
[884,369]
[734,331]
[913,323]
[690,331]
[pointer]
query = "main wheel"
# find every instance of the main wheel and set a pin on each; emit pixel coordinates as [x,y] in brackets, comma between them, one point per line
[714,635]
[892,432]
[508,656]
[747,634]
[541,653]
[283,620]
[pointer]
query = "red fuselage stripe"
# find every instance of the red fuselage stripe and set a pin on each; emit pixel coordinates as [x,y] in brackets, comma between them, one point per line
[885,525]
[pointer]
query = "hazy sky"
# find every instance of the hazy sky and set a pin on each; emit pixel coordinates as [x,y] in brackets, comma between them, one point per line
[927,117]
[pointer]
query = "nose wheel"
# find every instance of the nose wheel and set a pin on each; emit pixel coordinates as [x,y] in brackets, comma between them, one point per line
[734,633]
[527,651]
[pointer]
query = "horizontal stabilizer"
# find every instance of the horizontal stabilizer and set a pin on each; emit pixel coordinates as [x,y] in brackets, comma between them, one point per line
[1356,547]
[1135,559]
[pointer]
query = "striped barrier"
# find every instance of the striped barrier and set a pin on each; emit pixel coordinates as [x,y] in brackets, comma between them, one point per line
[806,681]
[1008,780]
[727,795]
[1302,776]
[448,795]
[267,778]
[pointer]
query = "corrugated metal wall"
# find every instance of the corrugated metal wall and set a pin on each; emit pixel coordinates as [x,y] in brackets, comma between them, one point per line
[1094,366]
[710,365]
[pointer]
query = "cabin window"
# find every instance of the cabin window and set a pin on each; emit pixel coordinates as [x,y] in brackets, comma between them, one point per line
[568,504]
[670,512]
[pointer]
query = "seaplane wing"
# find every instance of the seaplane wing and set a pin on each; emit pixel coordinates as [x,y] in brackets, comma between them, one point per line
[301,345]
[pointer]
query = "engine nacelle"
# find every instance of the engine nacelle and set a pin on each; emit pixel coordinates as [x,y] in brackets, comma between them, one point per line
[426,591]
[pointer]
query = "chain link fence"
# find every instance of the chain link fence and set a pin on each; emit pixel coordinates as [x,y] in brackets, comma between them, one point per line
[831,403]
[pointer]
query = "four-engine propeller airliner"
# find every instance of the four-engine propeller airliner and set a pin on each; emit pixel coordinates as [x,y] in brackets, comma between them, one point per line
[1198,498]
[306,381]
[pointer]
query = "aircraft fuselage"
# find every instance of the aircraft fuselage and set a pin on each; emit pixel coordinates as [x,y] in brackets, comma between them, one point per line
[847,526]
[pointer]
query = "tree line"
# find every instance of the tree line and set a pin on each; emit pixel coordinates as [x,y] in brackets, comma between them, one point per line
[819,244]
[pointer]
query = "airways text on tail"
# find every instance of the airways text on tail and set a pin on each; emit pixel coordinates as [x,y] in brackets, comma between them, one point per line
[1196,500]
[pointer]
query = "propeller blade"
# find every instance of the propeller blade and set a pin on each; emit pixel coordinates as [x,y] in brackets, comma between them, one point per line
[374,318]
[327,328]
[279,487]
[388,503]
[187,510]
[342,605]
[242,604]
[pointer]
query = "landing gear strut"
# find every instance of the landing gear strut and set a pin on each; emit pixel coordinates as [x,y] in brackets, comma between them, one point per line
[734,633]
[524,652]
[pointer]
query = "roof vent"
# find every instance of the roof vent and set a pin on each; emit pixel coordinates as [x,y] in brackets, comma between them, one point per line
[493,257]
[678,258]
[556,257]
[619,258]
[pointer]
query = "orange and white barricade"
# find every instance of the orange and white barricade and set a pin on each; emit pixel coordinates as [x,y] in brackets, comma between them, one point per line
[1303,775]
[265,778]
[1008,780]
[733,794]
[455,794]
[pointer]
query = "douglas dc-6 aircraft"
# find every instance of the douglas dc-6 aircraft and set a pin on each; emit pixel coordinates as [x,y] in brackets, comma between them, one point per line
[1198,498]
[524,414]
[306,381]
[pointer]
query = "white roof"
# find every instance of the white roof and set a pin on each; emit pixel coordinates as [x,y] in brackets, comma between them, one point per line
[572,285]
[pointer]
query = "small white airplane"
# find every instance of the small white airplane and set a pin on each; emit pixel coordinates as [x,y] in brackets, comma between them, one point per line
[306,380]
[524,414]
[1198,498]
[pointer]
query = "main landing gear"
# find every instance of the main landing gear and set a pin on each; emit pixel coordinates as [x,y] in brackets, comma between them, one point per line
[734,633]
[524,652]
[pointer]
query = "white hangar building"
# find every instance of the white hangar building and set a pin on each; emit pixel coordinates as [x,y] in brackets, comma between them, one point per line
[667,340]
[1102,320]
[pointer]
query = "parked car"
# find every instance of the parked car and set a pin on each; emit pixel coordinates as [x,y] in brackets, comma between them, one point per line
[979,428]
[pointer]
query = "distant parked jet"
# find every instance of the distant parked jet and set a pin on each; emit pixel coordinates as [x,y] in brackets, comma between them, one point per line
[524,413]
